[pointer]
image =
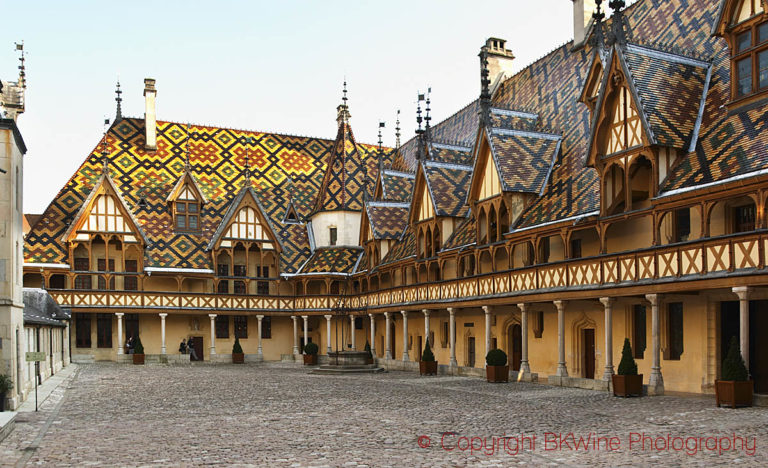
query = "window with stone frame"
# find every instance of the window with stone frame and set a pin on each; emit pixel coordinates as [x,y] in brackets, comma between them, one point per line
[82,330]
[334,235]
[222,326]
[241,326]
[104,330]
[266,327]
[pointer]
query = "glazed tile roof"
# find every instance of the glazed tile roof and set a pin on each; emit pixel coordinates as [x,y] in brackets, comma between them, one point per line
[448,185]
[524,159]
[397,186]
[450,153]
[387,219]
[403,249]
[465,234]
[513,119]
[282,166]
[333,260]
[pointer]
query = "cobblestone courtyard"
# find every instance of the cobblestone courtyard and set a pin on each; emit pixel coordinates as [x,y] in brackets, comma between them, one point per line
[273,415]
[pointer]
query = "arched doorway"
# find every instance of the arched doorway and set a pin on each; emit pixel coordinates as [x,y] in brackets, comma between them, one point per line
[515,345]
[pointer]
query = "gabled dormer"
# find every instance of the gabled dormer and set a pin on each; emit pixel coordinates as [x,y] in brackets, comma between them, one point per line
[382,225]
[186,202]
[647,114]
[744,25]
[245,221]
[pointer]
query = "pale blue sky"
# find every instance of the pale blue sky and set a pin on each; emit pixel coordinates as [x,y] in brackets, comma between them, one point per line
[272,66]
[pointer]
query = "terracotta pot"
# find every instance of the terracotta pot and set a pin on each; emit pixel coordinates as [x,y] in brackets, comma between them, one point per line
[138,358]
[310,359]
[238,358]
[428,367]
[627,385]
[733,393]
[496,374]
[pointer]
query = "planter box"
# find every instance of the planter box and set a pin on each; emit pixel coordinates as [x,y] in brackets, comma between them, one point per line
[733,393]
[627,385]
[428,367]
[310,359]
[238,358]
[138,358]
[497,374]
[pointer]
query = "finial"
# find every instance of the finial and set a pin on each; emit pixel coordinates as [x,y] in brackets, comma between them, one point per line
[22,68]
[248,140]
[598,40]
[485,90]
[617,35]
[344,98]
[342,111]
[397,130]
[427,118]
[381,125]
[119,100]
[104,159]
[420,98]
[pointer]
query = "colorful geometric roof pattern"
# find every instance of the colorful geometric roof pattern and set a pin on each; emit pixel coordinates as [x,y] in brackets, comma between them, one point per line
[388,219]
[333,260]
[669,89]
[524,159]
[281,166]
[396,186]
[464,234]
[403,249]
[448,185]
[513,119]
[447,153]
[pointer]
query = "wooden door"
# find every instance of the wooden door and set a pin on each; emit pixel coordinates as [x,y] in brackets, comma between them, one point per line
[471,351]
[589,353]
[197,344]
[515,343]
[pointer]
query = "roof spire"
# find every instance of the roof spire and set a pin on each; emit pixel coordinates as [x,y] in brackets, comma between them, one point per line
[104,158]
[619,24]
[598,40]
[381,125]
[397,130]
[119,100]
[22,68]
[485,90]
[342,111]
[427,118]
[419,131]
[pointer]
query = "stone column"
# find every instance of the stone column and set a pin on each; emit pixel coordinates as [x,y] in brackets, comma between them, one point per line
[162,333]
[426,328]
[743,293]
[655,381]
[405,335]
[213,334]
[259,350]
[295,335]
[306,329]
[562,369]
[328,332]
[352,332]
[487,310]
[387,338]
[608,306]
[452,336]
[119,332]
[373,335]
[525,368]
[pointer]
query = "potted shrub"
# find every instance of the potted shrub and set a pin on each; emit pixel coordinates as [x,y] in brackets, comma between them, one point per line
[237,352]
[310,354]
[6,385]
[627,382]
[368,352]
[138,351]
[496,369]
[427,365]
[735,387]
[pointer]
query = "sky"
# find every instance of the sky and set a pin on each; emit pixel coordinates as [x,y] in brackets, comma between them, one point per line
[274,66]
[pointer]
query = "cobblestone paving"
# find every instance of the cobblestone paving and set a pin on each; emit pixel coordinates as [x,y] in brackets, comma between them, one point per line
[276,415]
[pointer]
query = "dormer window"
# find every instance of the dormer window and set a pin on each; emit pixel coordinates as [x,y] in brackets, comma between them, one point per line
[187,215]
[748,37]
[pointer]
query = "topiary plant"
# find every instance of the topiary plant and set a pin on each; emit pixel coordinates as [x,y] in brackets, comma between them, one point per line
[427,355]
[6,384]
[496,357]
[627,366]
[368,350]
[310,348]
[236,348]
[138,348]
[733,365]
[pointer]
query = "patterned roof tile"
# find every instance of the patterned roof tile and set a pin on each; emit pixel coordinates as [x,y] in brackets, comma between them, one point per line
[333,260]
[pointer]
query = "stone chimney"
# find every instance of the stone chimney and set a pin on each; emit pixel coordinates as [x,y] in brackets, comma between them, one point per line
[499,61]
[150,114]
[582,16]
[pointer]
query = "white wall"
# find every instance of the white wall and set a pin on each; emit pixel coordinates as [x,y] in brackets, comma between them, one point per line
[347,224]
